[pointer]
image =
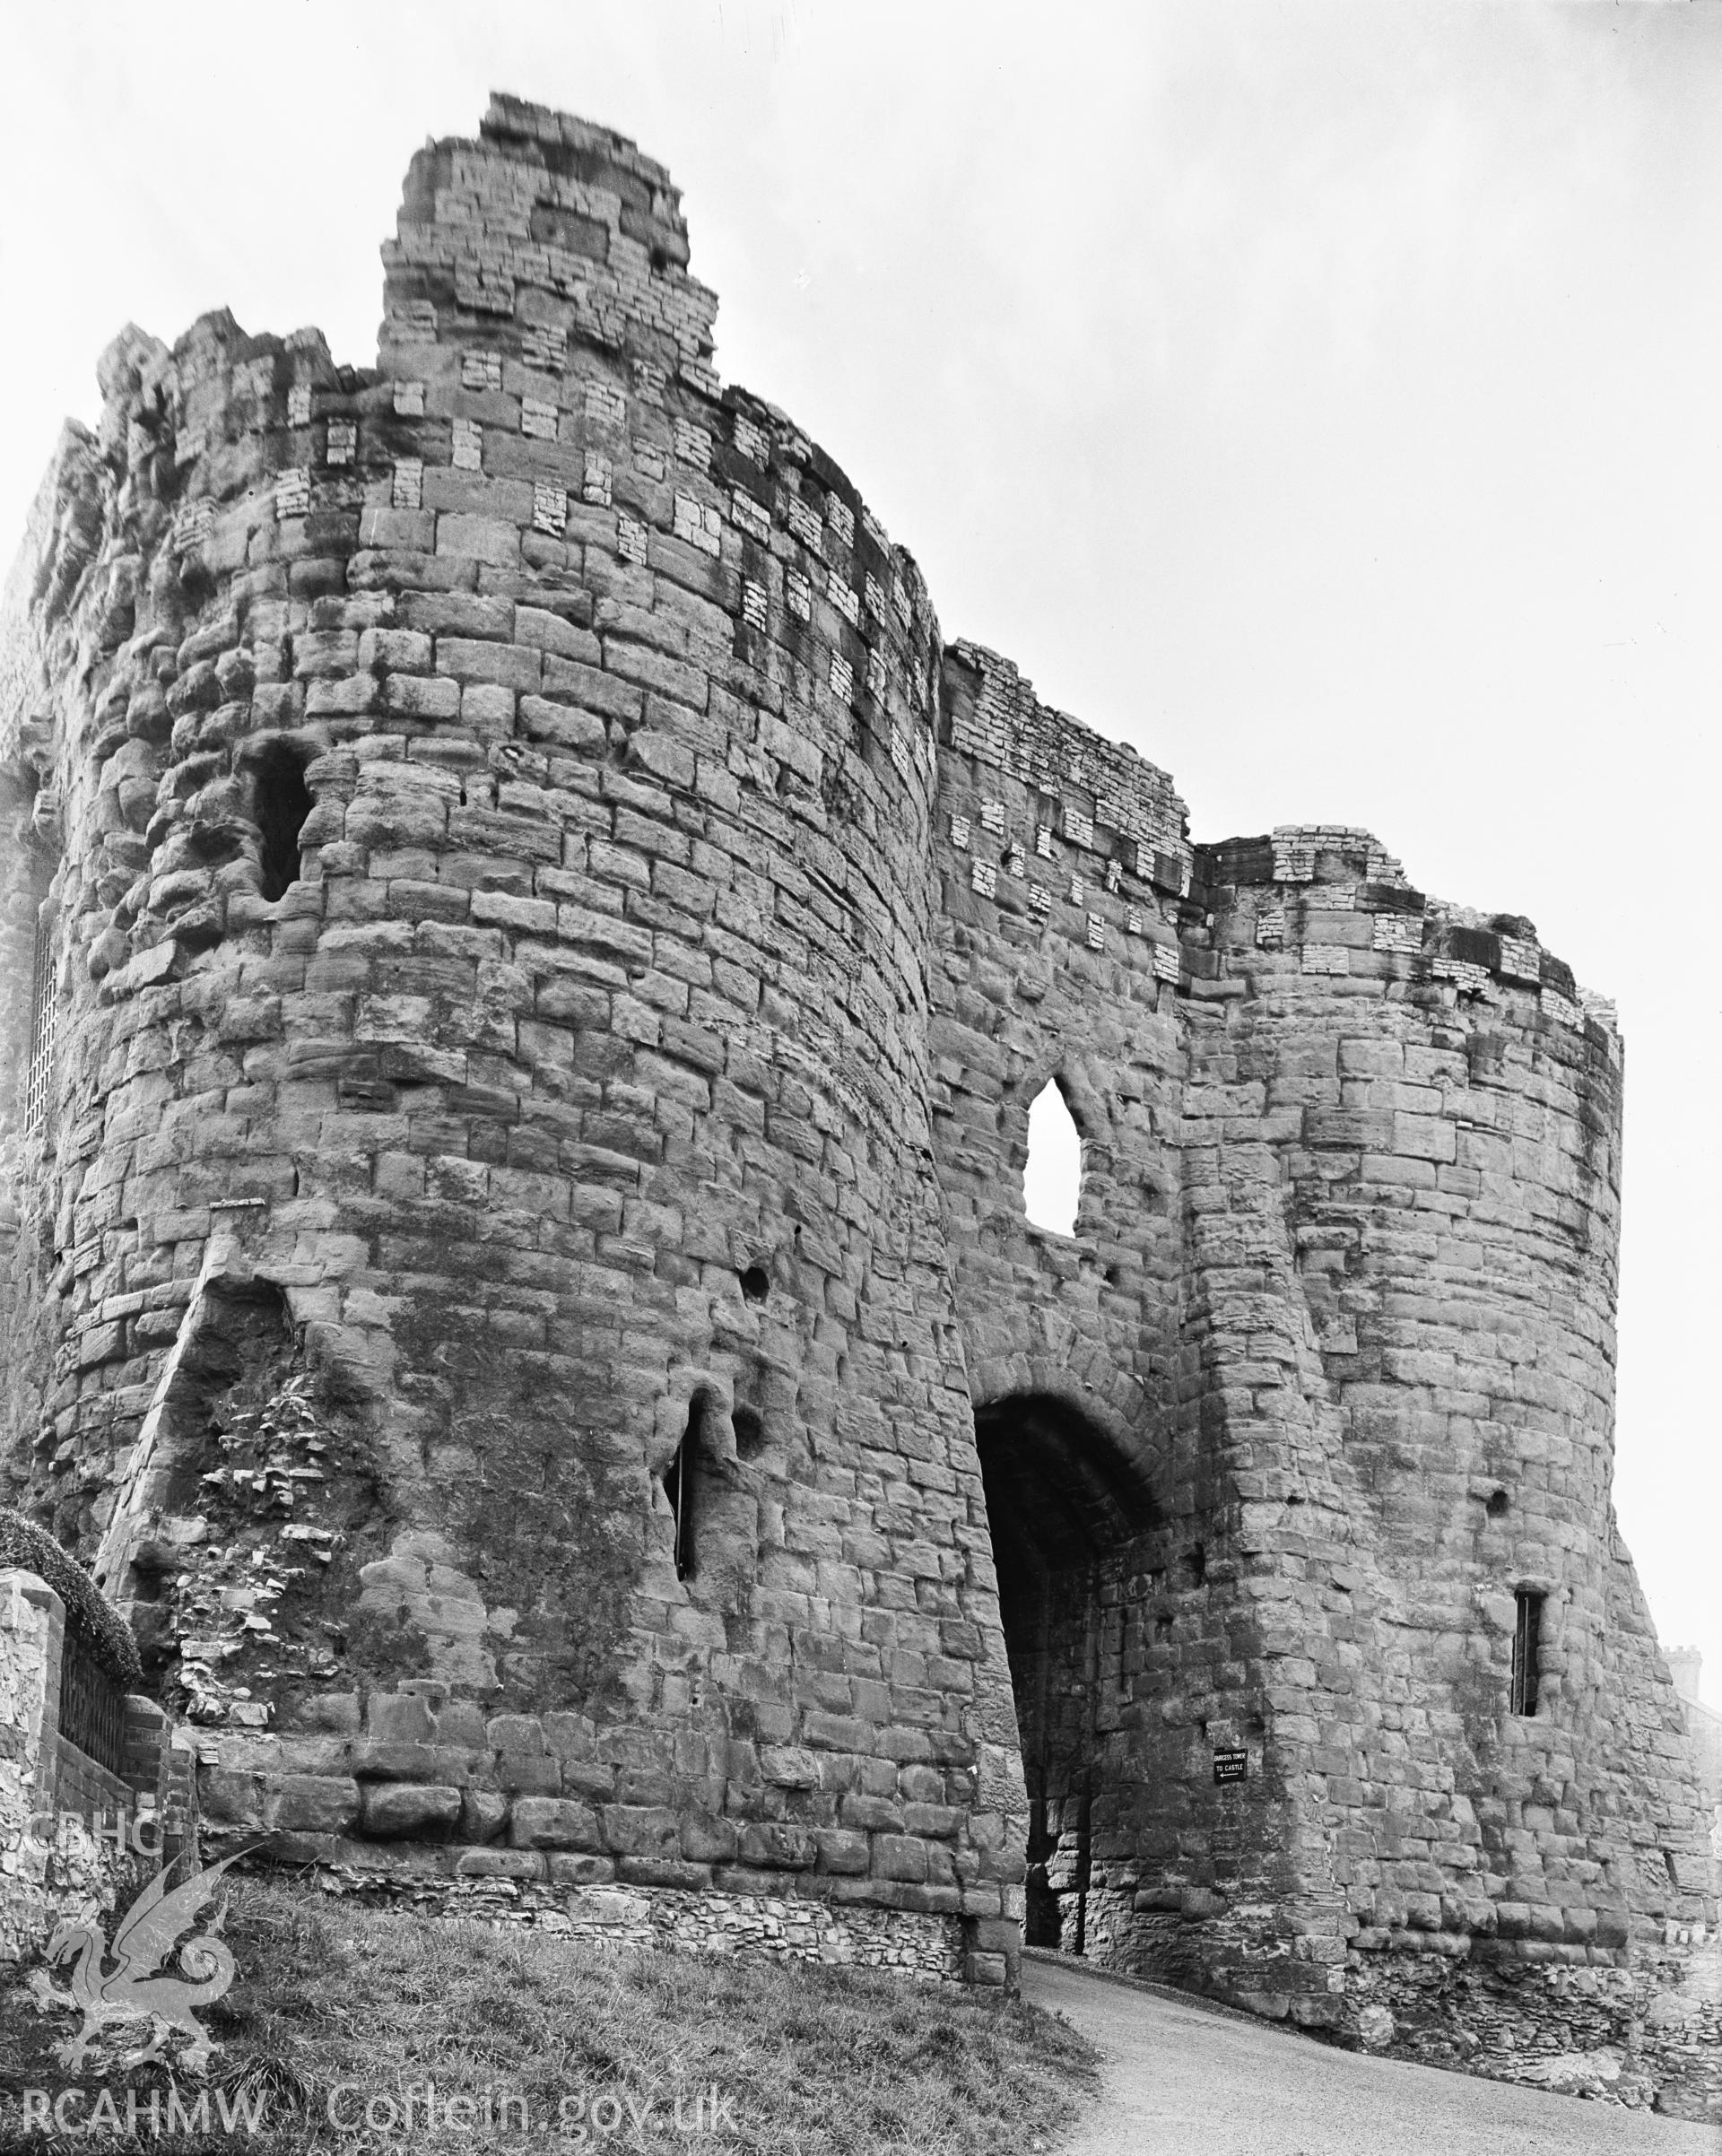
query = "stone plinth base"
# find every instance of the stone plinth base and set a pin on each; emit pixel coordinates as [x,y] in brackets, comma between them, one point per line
[572,1896]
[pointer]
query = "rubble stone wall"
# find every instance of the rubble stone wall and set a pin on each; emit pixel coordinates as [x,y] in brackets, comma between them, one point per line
[520,1279]
[53,1863]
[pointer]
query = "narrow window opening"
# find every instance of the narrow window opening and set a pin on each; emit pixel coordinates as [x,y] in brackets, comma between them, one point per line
[1084,1861]
[283,801]
[756,1283]
[750,1433]
[44,1027]
[1053,1175]
[1528,1642]
[679,1481]
[1497,1502]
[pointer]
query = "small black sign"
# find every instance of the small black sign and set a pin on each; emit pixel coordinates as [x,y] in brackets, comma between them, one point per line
[1230,1766]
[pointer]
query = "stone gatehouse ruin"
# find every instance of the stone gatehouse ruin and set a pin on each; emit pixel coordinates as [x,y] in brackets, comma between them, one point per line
[526,962]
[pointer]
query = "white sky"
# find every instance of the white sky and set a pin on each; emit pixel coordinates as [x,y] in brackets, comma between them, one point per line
[1324,398]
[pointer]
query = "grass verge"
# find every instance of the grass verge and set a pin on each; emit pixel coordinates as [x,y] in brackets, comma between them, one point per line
[617,2052]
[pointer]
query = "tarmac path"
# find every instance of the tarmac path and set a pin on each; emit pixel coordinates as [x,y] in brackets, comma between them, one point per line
[1183,2078]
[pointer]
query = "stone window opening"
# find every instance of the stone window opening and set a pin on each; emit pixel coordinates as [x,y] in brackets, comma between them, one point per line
[712,1487]
[1052,1175]
[281,802]
[679,1484]
[750,1432]
[44,1027]
[1527,1647]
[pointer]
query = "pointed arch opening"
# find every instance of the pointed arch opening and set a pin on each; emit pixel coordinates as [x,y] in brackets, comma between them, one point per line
[1052,1175]
[1065,1510]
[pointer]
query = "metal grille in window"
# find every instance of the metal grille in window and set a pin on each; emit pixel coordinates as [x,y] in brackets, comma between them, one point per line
[1527,1649]
[92,1707]
[44,1023]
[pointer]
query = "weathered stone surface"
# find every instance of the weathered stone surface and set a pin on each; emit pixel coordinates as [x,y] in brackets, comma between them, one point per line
[393,1808]
[553,1822]
[316,1803]
[482,1813]
[499,1864]
[539,959]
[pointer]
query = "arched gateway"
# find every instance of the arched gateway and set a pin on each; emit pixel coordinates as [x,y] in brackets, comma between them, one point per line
[1067,1513]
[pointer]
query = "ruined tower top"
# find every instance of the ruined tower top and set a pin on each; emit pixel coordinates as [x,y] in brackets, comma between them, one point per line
[543,226]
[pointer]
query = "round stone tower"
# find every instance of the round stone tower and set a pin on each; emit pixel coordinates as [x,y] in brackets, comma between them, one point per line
[483,1202]
[524,966]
